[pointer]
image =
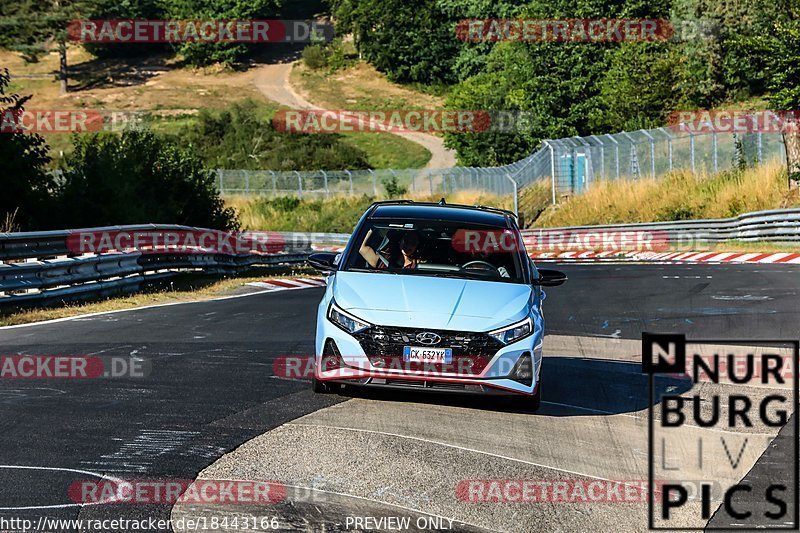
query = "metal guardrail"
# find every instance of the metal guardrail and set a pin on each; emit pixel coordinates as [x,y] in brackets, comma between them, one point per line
[780,226]
[52,272]
[38,267]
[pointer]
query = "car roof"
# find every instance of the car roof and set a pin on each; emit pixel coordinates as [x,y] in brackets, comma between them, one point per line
[448,212]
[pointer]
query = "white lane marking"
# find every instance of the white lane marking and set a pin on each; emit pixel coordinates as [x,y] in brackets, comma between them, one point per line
[57,469]
[153,306]
[365,498]
[454,446]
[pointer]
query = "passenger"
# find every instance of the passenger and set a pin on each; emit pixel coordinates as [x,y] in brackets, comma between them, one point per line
[401,256]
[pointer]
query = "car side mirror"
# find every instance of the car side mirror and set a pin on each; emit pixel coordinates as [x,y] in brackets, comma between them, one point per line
[550,278]
[325,262]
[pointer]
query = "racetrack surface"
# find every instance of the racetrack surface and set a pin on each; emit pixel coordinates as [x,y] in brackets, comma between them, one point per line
[212,392]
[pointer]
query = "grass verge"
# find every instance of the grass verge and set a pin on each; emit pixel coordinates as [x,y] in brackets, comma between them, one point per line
[181,288]
[679,196]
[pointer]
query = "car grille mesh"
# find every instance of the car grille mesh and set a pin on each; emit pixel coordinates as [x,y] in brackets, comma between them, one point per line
[471,351]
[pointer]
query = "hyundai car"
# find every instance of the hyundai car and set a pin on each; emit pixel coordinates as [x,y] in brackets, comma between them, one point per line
[433,297]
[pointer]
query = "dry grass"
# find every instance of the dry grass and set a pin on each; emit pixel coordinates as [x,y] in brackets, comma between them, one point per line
[679,196]
[359,87]
[335,215]
[185,288]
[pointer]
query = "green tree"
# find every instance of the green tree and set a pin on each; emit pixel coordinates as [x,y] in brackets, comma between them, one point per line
[785,83]
[24,178]
[138,177]
[638,89]
[31,27]
[205,53]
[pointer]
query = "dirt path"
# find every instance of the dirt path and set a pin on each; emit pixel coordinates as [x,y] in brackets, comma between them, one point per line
[273,81]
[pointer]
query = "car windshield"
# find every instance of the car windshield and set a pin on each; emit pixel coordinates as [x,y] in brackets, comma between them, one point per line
[437,248]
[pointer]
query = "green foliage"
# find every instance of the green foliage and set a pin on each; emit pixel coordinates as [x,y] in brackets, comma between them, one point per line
[393,187]
[24,180]
[331,55]
[242,137]
[135,178]
[206,53]
[314,57]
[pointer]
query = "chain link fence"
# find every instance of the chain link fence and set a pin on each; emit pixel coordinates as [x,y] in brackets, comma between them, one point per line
[568,166]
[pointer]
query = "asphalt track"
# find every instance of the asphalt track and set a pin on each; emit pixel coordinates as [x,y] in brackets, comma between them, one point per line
[212,407]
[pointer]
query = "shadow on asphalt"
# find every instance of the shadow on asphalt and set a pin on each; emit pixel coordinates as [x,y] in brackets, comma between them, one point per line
[571,387]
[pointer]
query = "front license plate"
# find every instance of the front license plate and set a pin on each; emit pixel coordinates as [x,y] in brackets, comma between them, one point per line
[416,354]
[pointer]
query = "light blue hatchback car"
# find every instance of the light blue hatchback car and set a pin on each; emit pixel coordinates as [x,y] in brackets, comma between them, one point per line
[433,297]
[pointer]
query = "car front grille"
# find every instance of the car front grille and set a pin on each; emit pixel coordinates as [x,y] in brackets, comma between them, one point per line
[471,351]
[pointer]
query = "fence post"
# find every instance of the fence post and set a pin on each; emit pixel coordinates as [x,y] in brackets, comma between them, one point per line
[247,181]
[299,184]
[691,146]
[374,186]
[714,143]
[760,148]
[274,183]
[219,174]
[325,182]
[652,153]
[350,177]
[430,181]
[516,194]
[616,151]
[552,171]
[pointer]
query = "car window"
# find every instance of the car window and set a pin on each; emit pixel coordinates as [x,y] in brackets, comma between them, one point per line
[433,248]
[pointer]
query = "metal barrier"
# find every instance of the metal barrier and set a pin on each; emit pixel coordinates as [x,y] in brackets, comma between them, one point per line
[52,271]
[780,226]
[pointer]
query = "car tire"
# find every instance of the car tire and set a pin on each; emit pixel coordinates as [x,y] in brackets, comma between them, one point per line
[320,387]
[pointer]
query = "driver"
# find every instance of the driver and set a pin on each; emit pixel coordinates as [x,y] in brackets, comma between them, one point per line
[401,256]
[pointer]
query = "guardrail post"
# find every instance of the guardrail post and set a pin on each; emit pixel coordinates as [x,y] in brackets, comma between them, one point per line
[325,182]
[299,184]
[350,177]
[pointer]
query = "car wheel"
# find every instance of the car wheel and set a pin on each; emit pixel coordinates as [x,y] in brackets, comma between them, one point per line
[320,387]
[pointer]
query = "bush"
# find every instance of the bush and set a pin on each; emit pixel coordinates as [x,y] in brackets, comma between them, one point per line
[393,188]
[136,178]
[241,137]
[314,57]
[24,180]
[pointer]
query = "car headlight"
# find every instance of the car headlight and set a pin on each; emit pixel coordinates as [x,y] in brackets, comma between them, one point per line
[514,332]
[345,320]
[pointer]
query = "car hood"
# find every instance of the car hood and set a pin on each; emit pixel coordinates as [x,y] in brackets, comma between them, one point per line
[431,302]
